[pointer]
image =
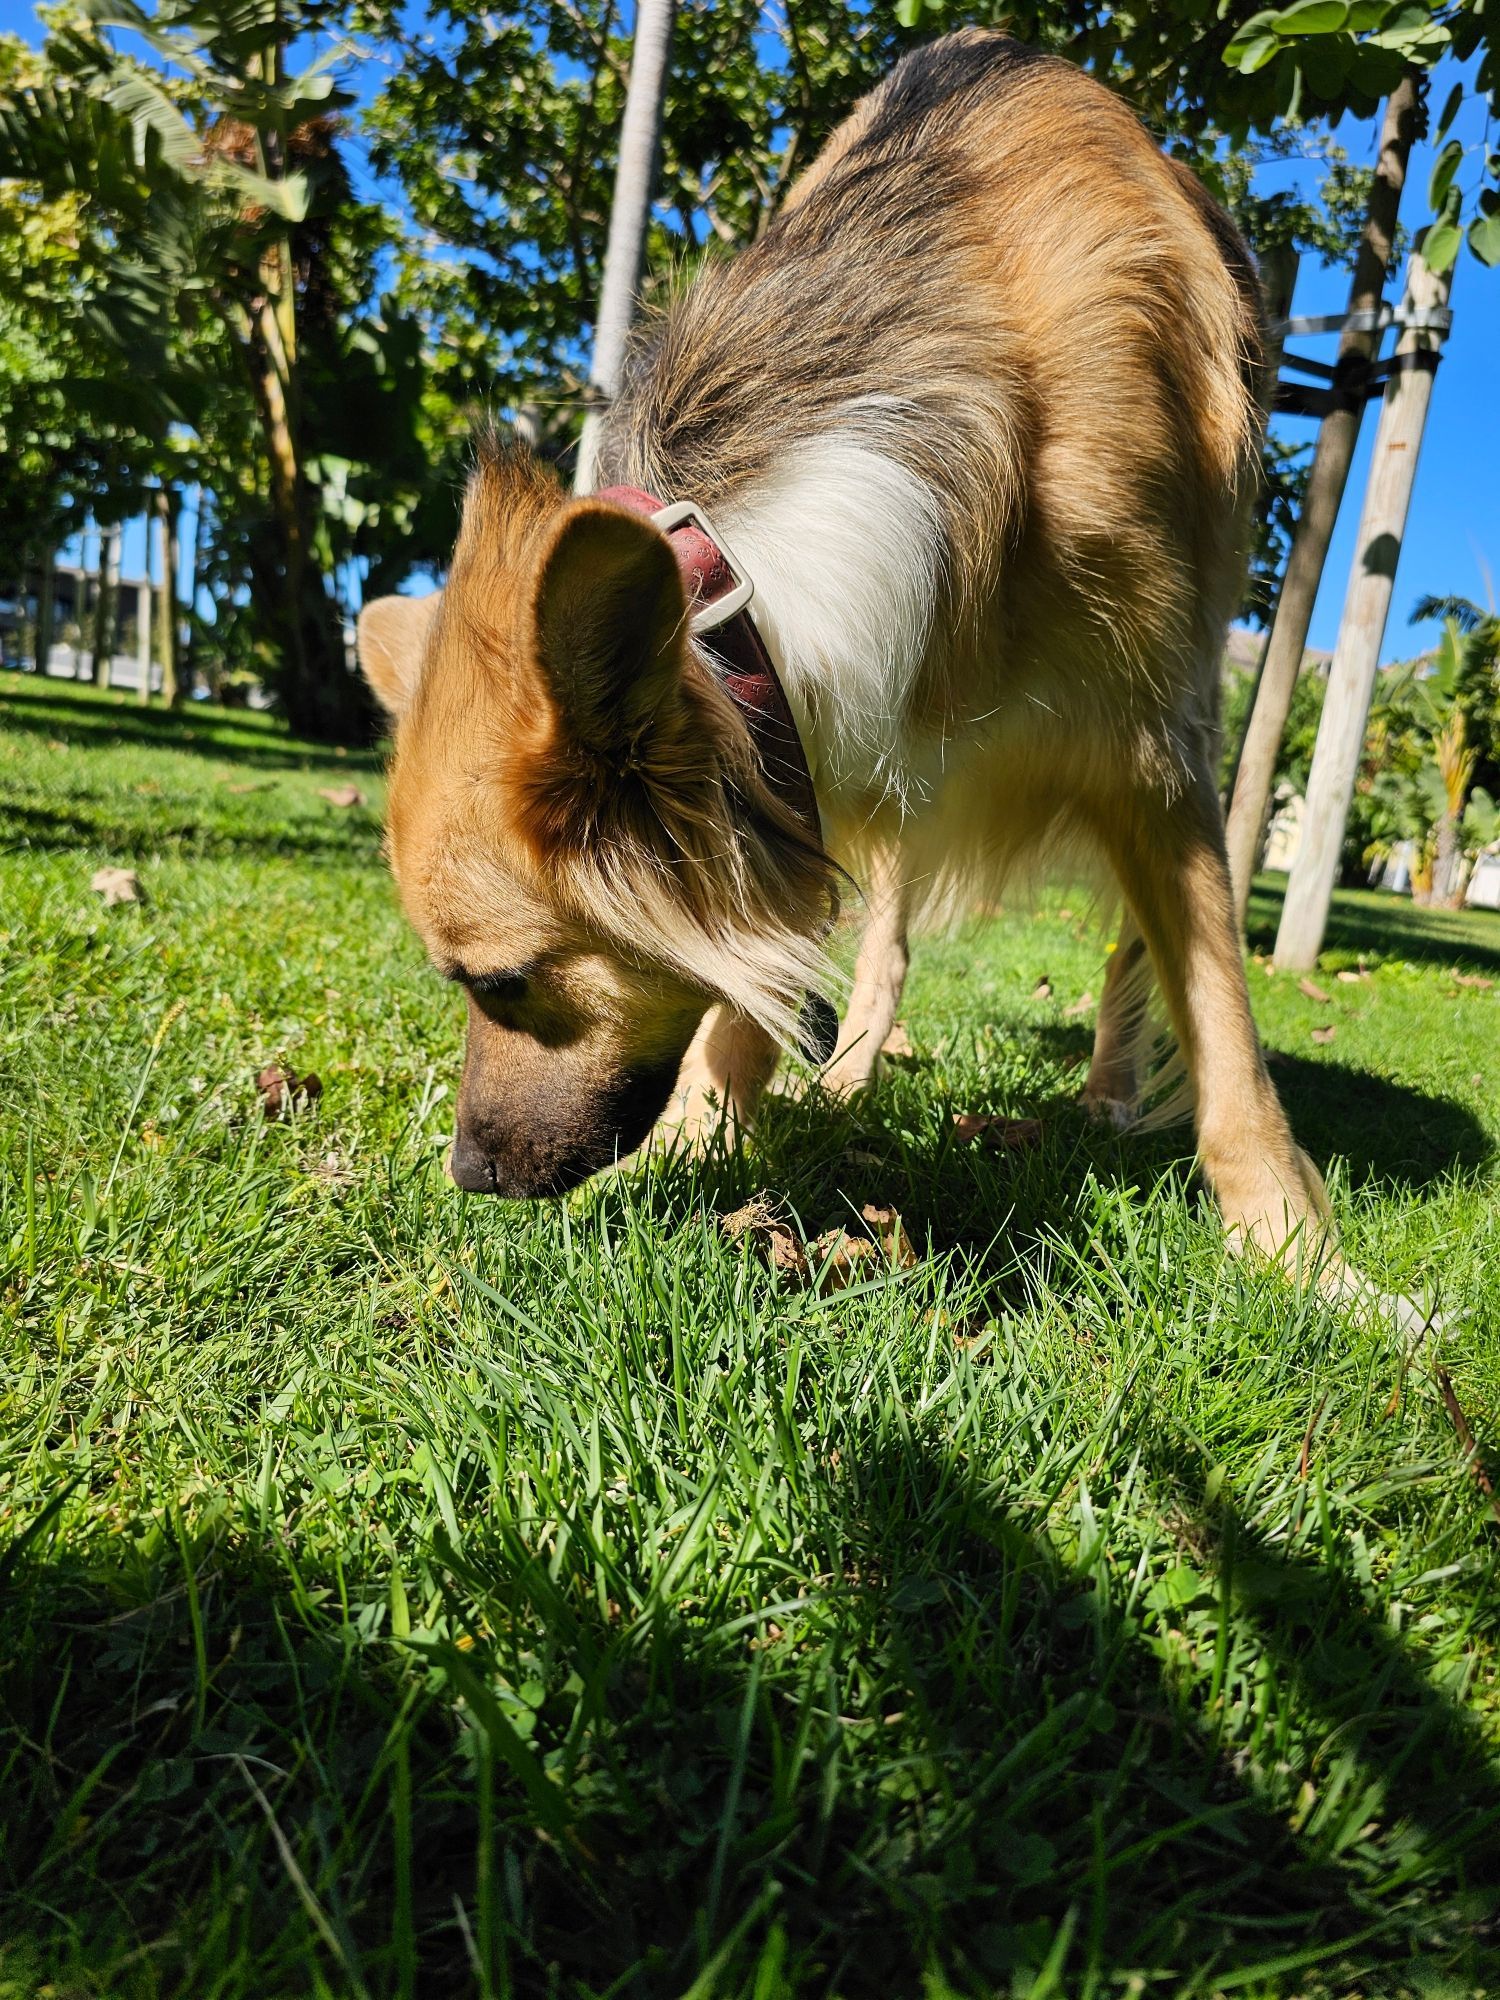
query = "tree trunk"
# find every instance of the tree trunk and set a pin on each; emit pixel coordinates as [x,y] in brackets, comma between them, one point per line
[167,506]
[143,641]
[320,695]
[1448,865]
[189,666]
[86,601]
[106,604]
[1325,489]
[1279,266]
[629,217]
[1356,661]
[46,606]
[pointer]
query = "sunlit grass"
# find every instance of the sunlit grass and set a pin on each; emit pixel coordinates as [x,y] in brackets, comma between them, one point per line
[408,1595]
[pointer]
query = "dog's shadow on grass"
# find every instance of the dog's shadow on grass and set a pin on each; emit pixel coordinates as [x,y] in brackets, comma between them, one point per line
[1388,1134]
[212,1751]
[899,1147]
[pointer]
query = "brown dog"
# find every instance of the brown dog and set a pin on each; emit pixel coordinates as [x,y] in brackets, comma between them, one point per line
[978,418]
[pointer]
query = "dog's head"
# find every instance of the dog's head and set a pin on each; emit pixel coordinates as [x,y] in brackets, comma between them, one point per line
[578,828]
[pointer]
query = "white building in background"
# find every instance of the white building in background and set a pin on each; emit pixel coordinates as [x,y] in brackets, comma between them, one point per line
[70,656]
[1284,834]
[1484,884]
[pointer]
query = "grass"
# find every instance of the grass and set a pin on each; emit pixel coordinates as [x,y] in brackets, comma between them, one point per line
[410,1595]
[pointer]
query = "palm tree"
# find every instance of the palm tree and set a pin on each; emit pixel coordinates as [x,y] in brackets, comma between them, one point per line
[1460,690]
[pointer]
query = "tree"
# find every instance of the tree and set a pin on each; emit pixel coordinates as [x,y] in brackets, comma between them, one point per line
[630,213]
[211,179]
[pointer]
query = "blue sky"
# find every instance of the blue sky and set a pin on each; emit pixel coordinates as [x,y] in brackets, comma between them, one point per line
[1453,537]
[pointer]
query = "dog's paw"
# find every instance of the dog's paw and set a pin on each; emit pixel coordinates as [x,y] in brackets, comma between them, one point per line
[695,1124]
[850,1073]
[1114,1112]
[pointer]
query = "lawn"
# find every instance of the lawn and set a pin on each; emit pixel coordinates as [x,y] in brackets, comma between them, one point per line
[407,1594]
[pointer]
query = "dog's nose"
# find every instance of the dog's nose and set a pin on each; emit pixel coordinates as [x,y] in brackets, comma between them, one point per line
[470,1168]
[495,1169]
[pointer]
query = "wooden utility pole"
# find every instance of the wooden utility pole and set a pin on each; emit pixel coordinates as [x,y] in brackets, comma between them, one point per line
[629,217]
[1356,661]
[1325,489]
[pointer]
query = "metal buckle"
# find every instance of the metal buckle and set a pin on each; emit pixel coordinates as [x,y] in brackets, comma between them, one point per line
[708,617]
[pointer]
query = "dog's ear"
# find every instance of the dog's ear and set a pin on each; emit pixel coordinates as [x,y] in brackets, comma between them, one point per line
[392,643]
[609,624]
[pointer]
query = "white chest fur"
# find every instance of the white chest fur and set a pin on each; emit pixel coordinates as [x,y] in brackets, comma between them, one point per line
[845,547]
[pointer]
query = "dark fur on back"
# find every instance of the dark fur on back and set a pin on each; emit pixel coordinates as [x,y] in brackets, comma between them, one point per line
[885,303]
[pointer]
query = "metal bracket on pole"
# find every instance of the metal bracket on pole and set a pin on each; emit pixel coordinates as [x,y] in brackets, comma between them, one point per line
[1420,319]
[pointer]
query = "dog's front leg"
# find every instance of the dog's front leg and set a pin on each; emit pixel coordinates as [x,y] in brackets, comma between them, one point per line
[879,976]
[723,1076]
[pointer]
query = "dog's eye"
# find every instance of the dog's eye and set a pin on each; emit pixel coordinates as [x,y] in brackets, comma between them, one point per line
[497,985]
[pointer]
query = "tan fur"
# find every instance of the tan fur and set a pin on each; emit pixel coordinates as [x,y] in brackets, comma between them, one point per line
[992,277]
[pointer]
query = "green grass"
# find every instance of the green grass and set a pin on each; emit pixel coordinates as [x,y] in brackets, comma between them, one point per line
[410,1595]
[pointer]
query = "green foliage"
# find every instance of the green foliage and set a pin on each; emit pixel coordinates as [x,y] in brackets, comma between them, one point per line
[230,278]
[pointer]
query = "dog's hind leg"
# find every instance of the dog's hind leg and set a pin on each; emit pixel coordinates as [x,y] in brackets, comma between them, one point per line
[1113,1086]
[1168,853]
[879,976]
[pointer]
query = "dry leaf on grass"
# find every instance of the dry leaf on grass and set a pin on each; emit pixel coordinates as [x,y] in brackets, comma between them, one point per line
[999,1134]
[844,1258]
[895,1242]
[282,1090]
[1324,1034]
[983,1342]
[116,885]
[1313,990]
[897,1042]
[342,795]
[840,1256]
[1348,978]
[1475,980]
[1043,989]
[1082,1005]
[760,1222]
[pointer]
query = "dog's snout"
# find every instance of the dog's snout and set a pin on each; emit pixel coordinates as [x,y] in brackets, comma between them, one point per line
[518,1176]
[470,1167]
[505,1149]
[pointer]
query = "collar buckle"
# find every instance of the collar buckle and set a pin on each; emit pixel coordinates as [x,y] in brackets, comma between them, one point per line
[708,617]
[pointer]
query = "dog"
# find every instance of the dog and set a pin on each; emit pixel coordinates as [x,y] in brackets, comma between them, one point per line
[978,420]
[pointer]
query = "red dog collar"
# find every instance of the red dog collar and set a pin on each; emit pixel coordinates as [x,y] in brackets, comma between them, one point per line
[719,595]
